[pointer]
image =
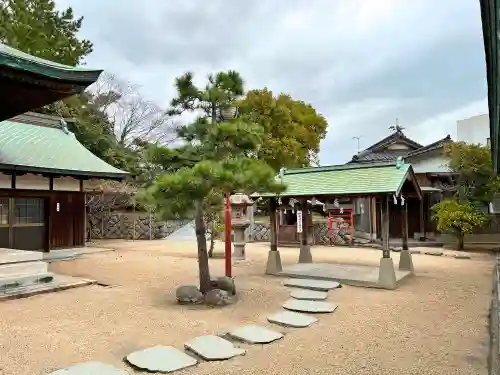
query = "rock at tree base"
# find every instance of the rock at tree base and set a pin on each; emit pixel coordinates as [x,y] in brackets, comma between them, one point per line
[90,368]
[253,334]
[225,283]
[309,306]
[213,348]
[161,359]
[310,295]
[188,294]
[217,297]
[292,319]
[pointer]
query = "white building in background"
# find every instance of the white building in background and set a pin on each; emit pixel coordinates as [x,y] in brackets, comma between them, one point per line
[474,130]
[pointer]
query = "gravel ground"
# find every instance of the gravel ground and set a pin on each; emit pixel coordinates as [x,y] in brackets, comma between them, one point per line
[436,323]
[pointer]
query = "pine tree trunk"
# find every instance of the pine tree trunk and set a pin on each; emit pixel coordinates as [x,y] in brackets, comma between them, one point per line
[203,268]
[460,238]
[212,239]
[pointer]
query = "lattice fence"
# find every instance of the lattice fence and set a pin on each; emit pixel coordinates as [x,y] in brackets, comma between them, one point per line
[261,232]
[118,225]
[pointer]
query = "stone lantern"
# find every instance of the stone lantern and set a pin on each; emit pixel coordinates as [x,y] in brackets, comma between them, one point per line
[239,222]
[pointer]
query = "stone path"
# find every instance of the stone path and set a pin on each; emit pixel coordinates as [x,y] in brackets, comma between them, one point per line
[166,359]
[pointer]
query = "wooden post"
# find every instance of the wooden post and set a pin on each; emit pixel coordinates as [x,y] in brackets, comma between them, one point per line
[384,216]
[422,223]
[404,225]
[273,223]
[305,224]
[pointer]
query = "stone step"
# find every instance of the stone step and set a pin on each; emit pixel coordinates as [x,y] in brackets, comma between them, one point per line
[319,285]
[309,295]
[19,281]
[253,334]
[14,256]
[23,268]
[213,348]
[162,359]
[97,368]
[309,306]
[291,319]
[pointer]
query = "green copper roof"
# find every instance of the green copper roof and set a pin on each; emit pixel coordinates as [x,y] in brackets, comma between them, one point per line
[16,59]
[49,149]
[345,180]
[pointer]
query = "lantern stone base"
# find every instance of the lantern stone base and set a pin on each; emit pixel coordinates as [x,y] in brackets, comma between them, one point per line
[387,274]
[305,255]
[273,266]
[239,251]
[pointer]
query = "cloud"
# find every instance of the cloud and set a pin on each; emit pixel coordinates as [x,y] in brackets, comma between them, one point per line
[361,63]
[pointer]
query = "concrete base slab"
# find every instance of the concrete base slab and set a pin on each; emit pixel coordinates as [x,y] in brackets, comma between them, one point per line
[315,307]
[273,266]
[319,285]
[213,348]
[365,276]
[89,368]
[60,282]
[309,295]
[253,334]
[161,359]
[305,255]
[23,268]
[291,319]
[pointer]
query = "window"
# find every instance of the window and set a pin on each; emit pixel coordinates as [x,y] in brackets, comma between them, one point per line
[4,211]
[29,211]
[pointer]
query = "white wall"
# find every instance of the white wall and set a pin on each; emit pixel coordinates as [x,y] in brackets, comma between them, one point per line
[474,130]
[430,164]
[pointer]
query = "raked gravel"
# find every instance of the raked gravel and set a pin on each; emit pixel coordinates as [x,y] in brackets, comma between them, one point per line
[436,323]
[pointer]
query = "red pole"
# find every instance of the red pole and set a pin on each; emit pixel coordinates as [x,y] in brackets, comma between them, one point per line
[227,256]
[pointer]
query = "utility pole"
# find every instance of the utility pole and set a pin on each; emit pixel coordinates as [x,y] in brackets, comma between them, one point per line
[357,139]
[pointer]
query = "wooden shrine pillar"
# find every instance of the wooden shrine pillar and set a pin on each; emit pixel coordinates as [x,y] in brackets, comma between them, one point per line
[404,226]
[384,219]
[422,222]
[273,265]
[387,274]
[305,255]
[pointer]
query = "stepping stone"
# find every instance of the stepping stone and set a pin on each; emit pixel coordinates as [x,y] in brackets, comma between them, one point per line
[434,253]
[90,368]
[309,306]
[292,319]
[310,295]
[461,256]
[161,359]
[253,334]
[213,348]
[320,285]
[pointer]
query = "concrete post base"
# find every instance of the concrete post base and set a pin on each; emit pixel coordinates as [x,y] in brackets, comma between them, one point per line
[405,261]
[305,255]
[387,274]
[239,252]
[273,266]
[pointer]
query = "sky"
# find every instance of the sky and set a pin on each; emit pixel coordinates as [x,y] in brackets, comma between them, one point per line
[360,63]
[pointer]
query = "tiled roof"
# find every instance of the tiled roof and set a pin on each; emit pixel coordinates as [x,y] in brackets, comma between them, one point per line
[349,179]
[369,156]
[431,147]
[16,59]
[49,149]
[396,136]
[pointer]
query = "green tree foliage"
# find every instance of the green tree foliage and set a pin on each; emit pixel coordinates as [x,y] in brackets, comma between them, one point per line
[476,181]
[216,157]
[458,218]
[293,129]
[37,28]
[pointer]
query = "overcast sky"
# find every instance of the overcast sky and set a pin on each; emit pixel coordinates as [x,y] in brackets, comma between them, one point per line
[361,63]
